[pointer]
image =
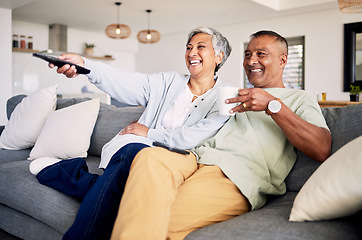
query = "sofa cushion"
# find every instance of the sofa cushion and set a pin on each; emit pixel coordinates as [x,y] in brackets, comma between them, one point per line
[345,125]
[271,222]
[28,118]
[334,189]
[110,121]
[13,155]
[20,190]
[24,226]
[67,132]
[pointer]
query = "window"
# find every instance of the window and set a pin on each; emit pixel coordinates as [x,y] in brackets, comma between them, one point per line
[293,75]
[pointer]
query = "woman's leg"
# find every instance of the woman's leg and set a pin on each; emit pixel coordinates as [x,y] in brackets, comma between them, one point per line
[98,211]
[151,189]
[69,176]
[207,197]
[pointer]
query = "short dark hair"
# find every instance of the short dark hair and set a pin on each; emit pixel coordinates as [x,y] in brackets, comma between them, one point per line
[279,38]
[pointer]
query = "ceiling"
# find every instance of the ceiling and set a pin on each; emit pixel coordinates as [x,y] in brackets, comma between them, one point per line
[168,16]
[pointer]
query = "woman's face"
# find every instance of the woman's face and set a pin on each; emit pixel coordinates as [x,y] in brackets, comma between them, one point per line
[200,56]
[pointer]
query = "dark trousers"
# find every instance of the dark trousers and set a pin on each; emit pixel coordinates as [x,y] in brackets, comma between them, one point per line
[100,195]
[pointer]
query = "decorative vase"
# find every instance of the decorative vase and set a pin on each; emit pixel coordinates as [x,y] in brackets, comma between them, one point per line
[354,98]
[88,51]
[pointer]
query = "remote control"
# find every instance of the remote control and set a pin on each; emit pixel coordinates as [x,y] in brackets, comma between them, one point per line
[60,63]
[181,151]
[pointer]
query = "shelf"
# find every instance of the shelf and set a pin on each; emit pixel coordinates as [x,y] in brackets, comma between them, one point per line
[336,103]
[24,50]
[99,58]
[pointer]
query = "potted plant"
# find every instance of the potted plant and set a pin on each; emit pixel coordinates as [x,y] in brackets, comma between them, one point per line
[89,49]
[354,93]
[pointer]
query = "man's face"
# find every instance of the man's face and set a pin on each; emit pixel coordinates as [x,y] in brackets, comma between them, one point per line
[264,62]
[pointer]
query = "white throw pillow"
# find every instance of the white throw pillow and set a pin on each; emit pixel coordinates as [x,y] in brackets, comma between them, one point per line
[334,189]
[27,119]
[67,132]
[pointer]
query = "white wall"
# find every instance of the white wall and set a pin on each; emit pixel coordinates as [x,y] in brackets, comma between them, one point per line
[323,33]
[22,73]
[32,73]
[5,61]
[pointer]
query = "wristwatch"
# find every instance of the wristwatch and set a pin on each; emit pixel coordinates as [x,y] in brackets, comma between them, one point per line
[274,106]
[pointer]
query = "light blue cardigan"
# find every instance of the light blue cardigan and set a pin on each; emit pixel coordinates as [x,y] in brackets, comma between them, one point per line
[157,92]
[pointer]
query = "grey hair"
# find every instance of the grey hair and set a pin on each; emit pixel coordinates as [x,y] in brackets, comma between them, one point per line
[219,42]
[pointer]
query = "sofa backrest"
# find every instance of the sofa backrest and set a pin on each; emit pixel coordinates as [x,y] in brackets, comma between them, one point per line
[345,124]
[109,122]
[12,103]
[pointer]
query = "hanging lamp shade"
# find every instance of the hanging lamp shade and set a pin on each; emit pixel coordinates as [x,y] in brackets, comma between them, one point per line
[118,31]
[149,35]
[350,6]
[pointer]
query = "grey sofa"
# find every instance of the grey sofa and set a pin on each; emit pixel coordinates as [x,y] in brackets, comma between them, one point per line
[30,210]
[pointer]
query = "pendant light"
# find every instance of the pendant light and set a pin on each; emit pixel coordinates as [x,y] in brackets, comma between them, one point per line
[149,35]
[350,6]
[118,31]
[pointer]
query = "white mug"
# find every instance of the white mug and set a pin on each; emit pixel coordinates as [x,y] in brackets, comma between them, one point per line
[224,93]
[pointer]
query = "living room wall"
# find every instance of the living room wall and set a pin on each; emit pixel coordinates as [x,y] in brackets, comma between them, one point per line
[5,63]
[32,73]
[22,73]
[323,31]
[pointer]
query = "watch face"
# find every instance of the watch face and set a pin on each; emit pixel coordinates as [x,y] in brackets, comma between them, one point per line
[274,106]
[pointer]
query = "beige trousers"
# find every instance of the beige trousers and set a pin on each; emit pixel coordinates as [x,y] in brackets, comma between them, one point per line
[168,195]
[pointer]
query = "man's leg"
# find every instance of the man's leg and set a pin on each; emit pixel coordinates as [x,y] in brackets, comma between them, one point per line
[98,211]
[207,197]
[151,189]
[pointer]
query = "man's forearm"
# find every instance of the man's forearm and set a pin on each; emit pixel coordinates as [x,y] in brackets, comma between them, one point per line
[312,140]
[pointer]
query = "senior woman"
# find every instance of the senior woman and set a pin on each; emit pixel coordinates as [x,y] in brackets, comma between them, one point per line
[181,111]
